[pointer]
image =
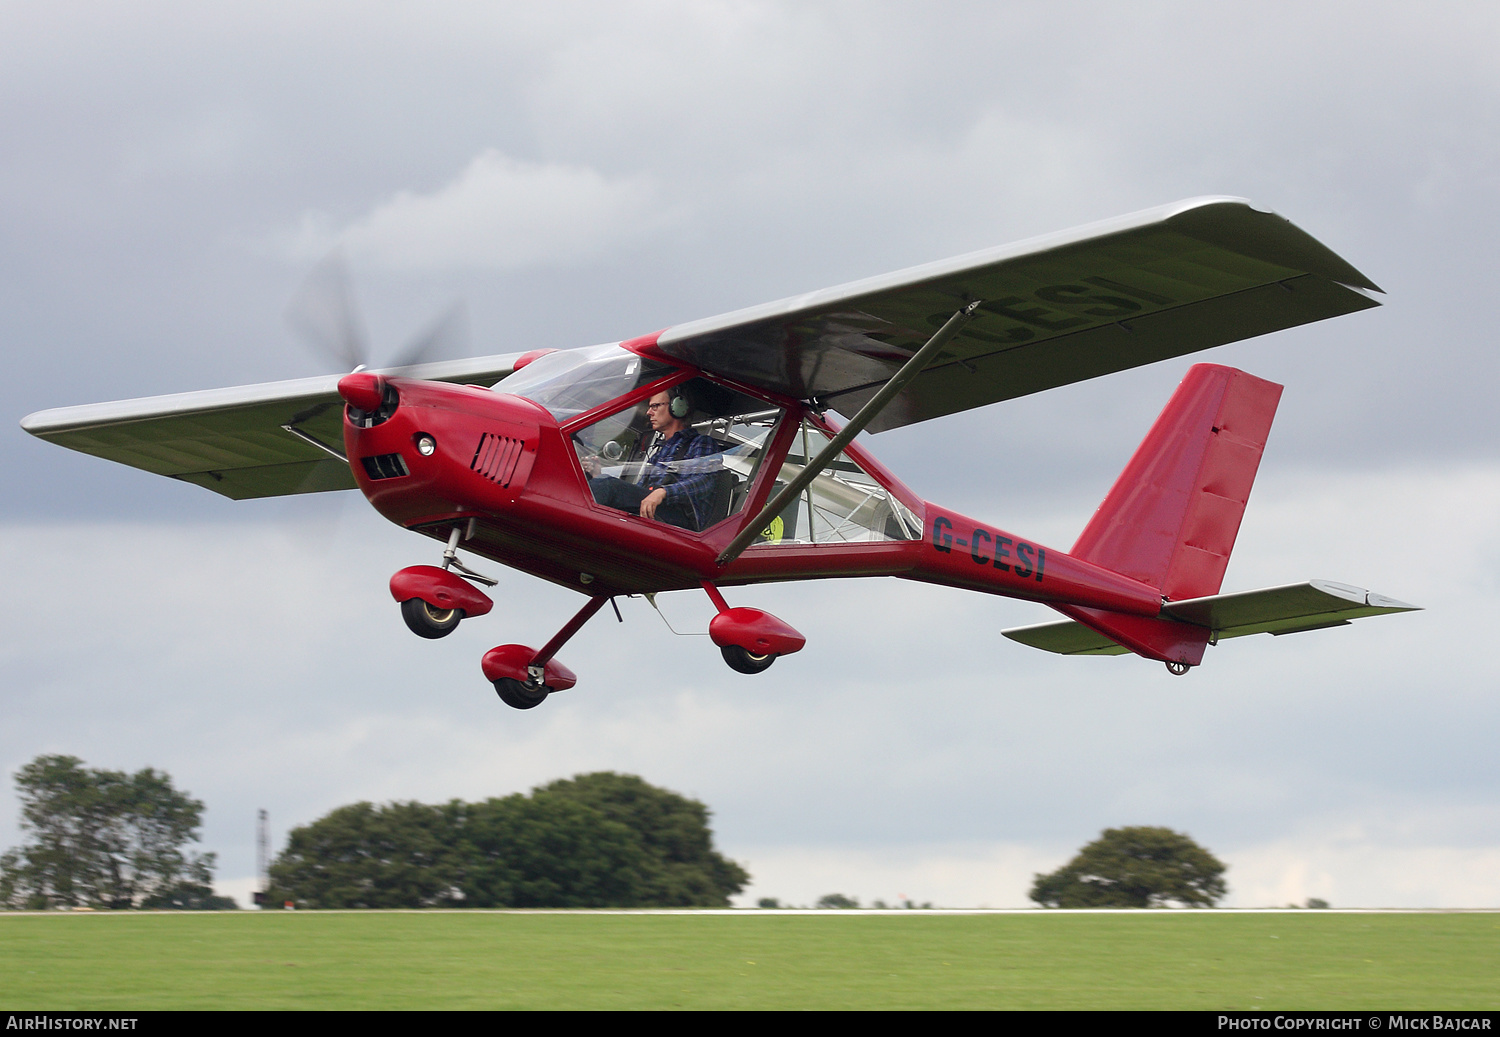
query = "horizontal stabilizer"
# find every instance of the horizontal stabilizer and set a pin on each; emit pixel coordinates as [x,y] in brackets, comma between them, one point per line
[1284,610]
[1271,610]
[1065,638]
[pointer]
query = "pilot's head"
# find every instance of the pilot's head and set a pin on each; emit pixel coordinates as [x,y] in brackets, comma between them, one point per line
[659,413]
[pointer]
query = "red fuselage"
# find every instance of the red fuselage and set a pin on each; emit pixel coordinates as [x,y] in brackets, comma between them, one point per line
[507,464]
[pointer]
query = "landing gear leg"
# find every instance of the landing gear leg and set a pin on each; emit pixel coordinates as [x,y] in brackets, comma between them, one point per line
[450,553]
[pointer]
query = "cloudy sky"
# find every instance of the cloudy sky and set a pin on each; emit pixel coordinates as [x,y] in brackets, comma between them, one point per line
[579,173]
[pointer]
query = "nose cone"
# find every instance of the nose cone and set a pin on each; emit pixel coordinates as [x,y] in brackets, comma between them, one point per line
[362,391]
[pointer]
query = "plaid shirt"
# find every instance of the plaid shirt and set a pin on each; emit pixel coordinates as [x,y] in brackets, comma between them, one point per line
[686,466]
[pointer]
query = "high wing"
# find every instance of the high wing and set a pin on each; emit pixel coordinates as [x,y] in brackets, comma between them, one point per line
[262,440]
[1057,309]
[1272,610]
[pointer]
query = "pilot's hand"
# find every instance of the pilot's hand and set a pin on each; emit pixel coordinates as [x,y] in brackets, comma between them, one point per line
[591,466]
[651,502]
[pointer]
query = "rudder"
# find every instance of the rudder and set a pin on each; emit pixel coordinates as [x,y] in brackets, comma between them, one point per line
[1172,516]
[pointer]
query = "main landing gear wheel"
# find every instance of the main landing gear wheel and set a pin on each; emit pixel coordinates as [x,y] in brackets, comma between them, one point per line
[518,695]
[744,661]
[1178,669]
[426,621]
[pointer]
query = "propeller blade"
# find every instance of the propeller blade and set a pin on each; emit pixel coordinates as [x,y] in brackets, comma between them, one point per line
[445,337]
[324,314]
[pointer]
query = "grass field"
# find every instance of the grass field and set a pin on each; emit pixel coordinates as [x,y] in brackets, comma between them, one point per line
[392,960]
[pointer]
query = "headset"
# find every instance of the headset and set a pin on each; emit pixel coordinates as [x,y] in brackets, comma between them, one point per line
[680,407]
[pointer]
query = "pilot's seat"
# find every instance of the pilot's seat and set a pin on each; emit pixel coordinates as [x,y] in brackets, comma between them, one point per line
[726,486]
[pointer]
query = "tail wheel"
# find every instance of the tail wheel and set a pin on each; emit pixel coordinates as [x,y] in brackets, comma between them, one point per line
[518,695]
[1178,669]
[426,621]
[746,662]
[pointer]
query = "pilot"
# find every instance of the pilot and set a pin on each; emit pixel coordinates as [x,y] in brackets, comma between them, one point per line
[673,488]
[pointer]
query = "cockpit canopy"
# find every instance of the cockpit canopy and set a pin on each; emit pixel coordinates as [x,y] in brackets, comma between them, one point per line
[733,433]
[572,381]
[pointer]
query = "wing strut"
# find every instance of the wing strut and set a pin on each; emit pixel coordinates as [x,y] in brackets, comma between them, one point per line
[315,441]
[867,414]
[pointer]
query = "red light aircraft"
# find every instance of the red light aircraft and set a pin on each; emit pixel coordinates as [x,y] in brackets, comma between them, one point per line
[705,455]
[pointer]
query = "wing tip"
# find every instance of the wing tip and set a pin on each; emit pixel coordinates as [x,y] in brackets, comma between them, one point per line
[1282,240]
[42,422]
[1360,596]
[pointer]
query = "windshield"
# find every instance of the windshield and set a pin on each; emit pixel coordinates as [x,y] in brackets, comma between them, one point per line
[572,381]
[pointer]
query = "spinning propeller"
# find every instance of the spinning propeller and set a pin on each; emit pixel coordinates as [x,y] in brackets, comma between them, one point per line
[325,316]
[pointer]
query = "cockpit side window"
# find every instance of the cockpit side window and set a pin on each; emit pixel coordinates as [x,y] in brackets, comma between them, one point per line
[705,462]
[570,382]
[844,504]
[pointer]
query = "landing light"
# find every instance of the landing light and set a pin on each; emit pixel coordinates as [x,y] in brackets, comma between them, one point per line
[426,445]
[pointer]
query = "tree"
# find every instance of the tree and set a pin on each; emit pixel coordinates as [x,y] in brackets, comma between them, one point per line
[1135,867]
[105,839]
[680,865]
[552,851]
[399,855]
[597,840]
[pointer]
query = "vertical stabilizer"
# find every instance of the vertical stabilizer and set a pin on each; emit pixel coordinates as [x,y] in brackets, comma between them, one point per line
[1172,516]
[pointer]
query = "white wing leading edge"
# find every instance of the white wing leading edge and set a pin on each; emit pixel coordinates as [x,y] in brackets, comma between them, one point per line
[1057,309]
[236,441]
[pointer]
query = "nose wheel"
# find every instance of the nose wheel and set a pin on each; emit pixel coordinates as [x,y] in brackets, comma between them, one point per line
[434,601]
[425,620]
